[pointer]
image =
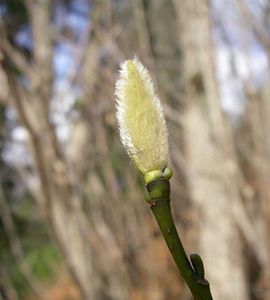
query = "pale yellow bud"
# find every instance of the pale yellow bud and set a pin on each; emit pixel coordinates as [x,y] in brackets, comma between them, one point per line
[140,117]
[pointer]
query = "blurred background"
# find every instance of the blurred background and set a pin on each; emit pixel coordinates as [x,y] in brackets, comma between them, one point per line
[74,224]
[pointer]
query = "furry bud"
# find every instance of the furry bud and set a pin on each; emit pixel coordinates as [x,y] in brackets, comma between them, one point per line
[140,118]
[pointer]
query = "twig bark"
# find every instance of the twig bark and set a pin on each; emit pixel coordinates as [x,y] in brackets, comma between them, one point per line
[192,272]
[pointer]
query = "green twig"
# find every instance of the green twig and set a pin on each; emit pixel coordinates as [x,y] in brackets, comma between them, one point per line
[158,196]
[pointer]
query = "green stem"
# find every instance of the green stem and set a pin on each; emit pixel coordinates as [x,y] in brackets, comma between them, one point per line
[159,199]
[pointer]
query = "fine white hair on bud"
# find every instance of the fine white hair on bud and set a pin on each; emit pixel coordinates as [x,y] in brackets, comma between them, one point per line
[140,117]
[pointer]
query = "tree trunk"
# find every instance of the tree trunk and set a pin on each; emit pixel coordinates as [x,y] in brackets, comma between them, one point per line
[210,159]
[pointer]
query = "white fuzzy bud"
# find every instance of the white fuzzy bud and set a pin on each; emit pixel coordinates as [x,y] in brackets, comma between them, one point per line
[140,117]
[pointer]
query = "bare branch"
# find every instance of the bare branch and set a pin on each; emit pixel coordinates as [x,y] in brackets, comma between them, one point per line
[14,55]
[40,12]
